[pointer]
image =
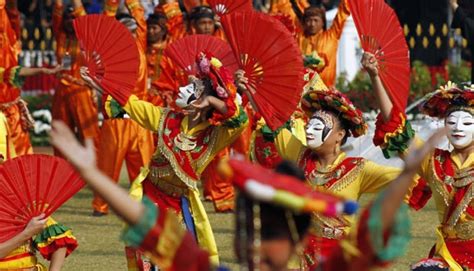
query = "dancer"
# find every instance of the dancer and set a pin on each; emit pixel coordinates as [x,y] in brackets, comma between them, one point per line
[187,143]
[448,173]
[73,102]
[317,37]
[332,119]
[11,104]
[13,77]
[383,231]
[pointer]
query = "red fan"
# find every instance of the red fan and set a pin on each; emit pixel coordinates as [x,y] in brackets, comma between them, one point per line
[272,61]
[381,34]
[31,185]
[185,50]
[222,7]
[111,54]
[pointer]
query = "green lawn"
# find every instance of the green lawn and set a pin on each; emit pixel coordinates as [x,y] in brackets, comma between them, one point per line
[100,247]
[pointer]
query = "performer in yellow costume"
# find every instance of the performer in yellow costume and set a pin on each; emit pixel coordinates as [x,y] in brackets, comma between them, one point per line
[188,143]
[448,173]
[332,119]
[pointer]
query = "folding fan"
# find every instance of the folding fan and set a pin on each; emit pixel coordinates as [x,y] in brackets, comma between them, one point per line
[110,52]
[222,7]
[184,51]
[272,62]
[31,185]
[381,34]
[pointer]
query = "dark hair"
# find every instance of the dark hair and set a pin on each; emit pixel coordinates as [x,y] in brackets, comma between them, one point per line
[120,16]
[315,11]
[274,218]
[201,12]
[342,123]
[158,19]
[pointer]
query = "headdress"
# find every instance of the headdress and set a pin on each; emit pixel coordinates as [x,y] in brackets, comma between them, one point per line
[222,82]
[447,99]
[318,97]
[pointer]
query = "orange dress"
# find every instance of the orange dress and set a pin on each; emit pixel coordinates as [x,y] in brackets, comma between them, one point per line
[122,138]
[73,101]
[325,43]
[11,104]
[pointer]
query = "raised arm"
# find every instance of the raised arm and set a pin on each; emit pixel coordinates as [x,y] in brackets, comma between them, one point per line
[297,10]
[138,13]
[369,63]
[78,8]
[84,160]
[14,16]
[396,191]
[337,26]
[57,17]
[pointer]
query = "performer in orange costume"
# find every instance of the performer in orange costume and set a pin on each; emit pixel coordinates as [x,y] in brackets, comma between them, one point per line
[122,138]
[73,101]
[11,104]
[316,36]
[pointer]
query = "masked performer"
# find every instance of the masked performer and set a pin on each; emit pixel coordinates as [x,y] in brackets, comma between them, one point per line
[188,143]
[448,173]
[332,119]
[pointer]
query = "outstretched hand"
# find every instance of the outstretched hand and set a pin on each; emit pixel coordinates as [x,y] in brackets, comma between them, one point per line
[370,64]
[35,226]
[81,157]
[416,155]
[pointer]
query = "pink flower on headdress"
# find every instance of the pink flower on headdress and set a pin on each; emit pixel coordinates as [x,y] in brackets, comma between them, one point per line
[205,65]
[221,92]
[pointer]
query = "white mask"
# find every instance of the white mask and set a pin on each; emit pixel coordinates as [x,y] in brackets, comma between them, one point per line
[461,129]
[318,129]
[186,95]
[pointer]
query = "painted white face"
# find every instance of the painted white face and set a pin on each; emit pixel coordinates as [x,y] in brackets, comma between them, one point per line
[461,128]
[186,95]
[318,129]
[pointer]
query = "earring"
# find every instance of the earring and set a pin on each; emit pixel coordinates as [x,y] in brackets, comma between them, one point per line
[337,149]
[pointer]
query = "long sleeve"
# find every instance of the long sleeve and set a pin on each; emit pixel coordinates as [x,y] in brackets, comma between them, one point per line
[14,16]
[375,177]
[138,13]
[145,113]
[288,145]
[57,20]
[231,129]
[338,24]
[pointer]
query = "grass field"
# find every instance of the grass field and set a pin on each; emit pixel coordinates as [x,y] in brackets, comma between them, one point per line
[100,247]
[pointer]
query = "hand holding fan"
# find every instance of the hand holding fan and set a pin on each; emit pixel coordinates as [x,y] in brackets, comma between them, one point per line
[110,52]
[31,185]
[223,7]
[184,51]
[381,34]
[272,62]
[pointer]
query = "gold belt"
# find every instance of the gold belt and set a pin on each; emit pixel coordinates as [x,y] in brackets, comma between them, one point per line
[169,188]
[462,230]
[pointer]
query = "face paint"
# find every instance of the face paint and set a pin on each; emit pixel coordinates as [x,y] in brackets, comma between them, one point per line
[186,95]
[461,128]
[318,129]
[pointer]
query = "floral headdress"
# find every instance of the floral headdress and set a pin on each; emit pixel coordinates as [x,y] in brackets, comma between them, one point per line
[222,82]
[447,99]
[333,100]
